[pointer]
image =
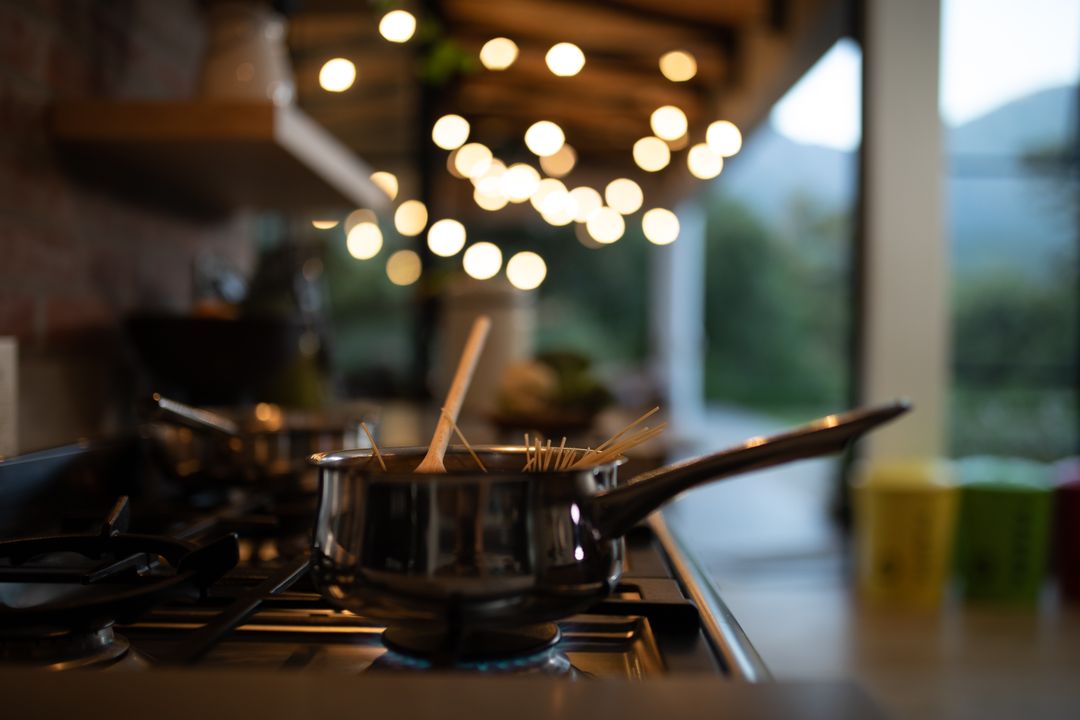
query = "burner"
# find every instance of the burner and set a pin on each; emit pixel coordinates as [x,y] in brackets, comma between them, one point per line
[524,650]
[546,662]
[439,645]
[62,648]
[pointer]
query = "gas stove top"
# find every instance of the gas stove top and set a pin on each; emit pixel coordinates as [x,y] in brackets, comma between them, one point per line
[225,585]
[173,589]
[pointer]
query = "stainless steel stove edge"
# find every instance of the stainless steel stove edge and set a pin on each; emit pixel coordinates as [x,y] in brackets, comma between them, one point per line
[724,633]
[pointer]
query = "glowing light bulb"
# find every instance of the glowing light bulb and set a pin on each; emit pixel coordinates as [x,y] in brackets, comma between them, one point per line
[450,132]
[561,163]
[488,192]
[403,267]
[605,225]
[565,59]
[489,201]
[660,226]
[498,53]
[411,218]
[364,241]
[678,65]
[473,160]
[363,215]
[651,154]
[495,170]
[668,122]
[324,224]
[588,200]
[491,186]
[723,138]
[624,196]
[544,138]
[446,237]
[519,182]
[545,187]
[337,75]
[387,182]
[703,162]
[397,26]
[526,270]
[558,208]
[482,260]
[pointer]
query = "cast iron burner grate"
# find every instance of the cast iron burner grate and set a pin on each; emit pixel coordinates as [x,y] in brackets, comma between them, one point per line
[63,648]
[60,595]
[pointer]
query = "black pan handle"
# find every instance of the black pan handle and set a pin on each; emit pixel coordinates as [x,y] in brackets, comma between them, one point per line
[616,511]
[192,417]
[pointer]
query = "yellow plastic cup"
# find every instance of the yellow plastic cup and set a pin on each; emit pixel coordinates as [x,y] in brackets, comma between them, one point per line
[905,521]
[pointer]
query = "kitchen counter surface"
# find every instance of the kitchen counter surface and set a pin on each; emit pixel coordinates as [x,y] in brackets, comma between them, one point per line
[782,569]
[184,695]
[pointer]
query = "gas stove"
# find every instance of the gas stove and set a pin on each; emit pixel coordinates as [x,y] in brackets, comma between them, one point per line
[166,588]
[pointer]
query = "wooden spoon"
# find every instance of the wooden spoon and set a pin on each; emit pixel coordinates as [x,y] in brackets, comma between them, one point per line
[433,461]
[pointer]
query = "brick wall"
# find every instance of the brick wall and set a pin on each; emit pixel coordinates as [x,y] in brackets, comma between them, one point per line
[74,261]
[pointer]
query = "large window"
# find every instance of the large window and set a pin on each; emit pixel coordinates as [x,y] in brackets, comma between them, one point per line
[779,249]
[1009,102]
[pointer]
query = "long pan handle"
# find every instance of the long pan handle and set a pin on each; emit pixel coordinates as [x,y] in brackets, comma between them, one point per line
[192,417]
[616,511]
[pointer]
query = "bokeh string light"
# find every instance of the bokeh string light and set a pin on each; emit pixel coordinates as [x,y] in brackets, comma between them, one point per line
[651,154]
[337,75]
[364,241]
[724,138]
[678,66]
[446,237]
[661,226]
[387,182]
[450,132]
[703,163]
[482,260]
[624,196]
[498,53]
[526,270]
[397,26]
[565,59]
[411,218]
[403,267]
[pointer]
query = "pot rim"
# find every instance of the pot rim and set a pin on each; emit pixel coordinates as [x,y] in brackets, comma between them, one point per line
[347,458]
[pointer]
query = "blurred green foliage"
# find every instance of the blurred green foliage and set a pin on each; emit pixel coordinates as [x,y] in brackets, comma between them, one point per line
[778,314]
[1014,358]
[777,309]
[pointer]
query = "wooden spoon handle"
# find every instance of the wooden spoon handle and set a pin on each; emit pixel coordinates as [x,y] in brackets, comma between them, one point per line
[433,461]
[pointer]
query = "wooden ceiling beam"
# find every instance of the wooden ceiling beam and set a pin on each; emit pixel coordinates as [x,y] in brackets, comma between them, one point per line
[718,13]
[610,87]
[313,29]
[591,26]
[710,58]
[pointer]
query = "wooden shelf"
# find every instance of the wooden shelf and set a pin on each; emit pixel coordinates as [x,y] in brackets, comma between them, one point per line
[211,157]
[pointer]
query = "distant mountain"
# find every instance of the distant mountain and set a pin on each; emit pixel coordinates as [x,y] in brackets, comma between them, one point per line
[1035,121]
[997,215]
[771,170]
[1000,215]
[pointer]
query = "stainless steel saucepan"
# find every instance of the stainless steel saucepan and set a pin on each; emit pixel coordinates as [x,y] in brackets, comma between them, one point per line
[263,443]
[468,549]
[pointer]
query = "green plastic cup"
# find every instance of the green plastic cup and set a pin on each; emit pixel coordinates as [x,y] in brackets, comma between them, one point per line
[1003,539]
